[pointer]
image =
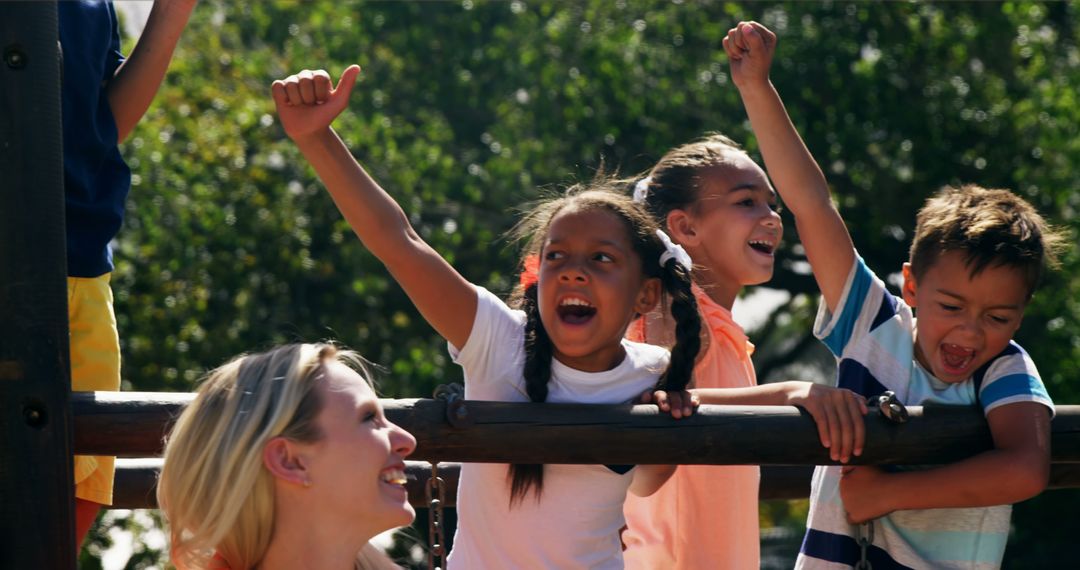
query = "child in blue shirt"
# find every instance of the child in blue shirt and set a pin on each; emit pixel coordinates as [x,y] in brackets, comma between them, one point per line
[103,96]
[975,260]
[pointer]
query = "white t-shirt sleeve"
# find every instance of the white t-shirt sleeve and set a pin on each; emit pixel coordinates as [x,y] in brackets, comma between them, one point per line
[493,356]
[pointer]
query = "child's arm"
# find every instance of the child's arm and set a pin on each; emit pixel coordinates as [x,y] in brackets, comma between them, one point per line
[750,47]
[1016,469]
[837,412]
[136,81]
[307,103]
[649,478]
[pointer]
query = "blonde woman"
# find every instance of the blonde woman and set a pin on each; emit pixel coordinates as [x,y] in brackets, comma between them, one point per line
[284,460]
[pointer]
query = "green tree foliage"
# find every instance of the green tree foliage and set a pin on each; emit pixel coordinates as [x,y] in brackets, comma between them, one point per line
[467,109]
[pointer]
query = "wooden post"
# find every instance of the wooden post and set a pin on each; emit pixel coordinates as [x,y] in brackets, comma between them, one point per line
[36,490]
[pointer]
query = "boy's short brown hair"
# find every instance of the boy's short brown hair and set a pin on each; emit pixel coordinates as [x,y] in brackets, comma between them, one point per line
[991,227]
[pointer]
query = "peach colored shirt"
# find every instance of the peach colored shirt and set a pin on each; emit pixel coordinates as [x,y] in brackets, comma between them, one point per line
[705,516]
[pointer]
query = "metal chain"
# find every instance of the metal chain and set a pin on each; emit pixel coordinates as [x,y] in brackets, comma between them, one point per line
[436,497]
[865,537]
[893,410]
[457,415]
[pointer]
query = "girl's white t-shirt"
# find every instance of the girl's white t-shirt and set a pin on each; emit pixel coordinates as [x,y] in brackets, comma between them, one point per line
[576,523]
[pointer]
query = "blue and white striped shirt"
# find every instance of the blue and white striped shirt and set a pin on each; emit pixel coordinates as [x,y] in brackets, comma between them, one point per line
[873,339]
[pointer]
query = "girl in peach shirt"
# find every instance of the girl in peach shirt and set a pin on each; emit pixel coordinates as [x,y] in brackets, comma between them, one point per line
[719,205]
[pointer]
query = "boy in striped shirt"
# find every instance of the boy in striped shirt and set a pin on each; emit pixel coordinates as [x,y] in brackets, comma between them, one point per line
[975,261]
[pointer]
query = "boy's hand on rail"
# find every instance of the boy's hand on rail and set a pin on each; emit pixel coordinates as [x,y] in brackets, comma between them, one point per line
[680,404]
[750,47]
[308,102]
[861,491]
[838,414]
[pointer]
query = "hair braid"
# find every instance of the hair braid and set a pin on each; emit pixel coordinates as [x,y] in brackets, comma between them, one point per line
[537,372]
[676,280]
[538,349]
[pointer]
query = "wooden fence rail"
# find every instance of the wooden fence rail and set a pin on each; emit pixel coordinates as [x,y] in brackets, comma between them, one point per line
[136,481]
[133,424]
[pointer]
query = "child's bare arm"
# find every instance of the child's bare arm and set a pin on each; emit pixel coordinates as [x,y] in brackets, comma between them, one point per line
[132,88]
[307,104]
[649,478]
[799,180]
[1016,469]
[837,412]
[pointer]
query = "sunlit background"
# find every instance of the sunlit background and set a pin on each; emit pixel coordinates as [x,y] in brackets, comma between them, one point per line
[467,109]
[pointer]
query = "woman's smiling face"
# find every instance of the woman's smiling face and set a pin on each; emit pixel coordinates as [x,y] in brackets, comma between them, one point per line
[357,467]
[591,287]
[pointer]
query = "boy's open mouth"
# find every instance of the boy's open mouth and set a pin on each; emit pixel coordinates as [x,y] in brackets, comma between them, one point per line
[575,311]
[955,357]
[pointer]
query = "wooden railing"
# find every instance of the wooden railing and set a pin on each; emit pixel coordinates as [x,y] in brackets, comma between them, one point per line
[133,424]
[136,480]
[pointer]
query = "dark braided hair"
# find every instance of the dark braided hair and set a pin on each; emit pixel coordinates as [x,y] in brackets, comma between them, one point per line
[604,194]
[684,308]
[538,347]
[537,372]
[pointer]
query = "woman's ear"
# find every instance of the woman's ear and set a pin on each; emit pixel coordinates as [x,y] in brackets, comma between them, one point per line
[680,226]
[909,287]
[282,458]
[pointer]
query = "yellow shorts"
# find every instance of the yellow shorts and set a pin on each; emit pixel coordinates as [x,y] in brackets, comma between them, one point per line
[95,365]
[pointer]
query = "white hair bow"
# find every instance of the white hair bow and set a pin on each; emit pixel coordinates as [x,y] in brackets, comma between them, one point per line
[674,251]
[641,189]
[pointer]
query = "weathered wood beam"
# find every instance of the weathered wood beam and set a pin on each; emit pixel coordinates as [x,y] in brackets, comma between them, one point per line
[136,483]
[132,424]
[136,480]
[128,424]
[36,492]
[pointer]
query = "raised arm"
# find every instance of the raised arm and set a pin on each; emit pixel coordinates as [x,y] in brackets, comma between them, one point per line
[307,104]
[132,88]
[1018,468]
[798,179]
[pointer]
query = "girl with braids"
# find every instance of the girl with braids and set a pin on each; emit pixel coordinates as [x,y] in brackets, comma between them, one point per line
[595,261]
[718,204]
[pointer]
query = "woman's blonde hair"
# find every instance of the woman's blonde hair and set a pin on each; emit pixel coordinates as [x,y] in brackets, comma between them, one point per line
[216,494]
